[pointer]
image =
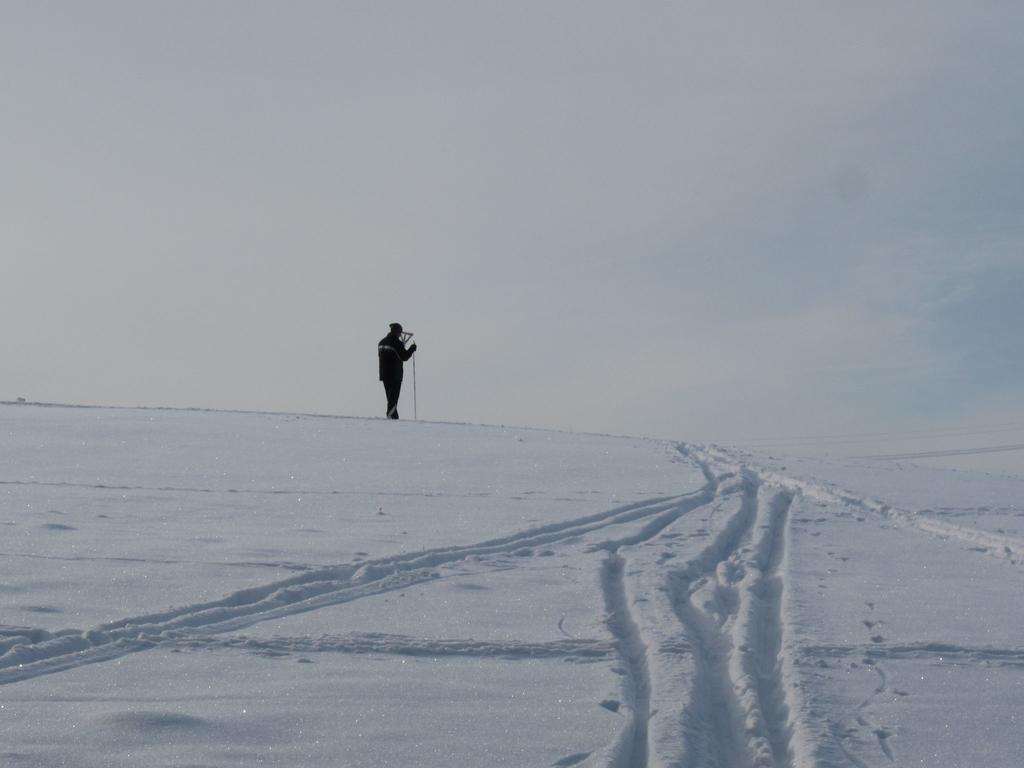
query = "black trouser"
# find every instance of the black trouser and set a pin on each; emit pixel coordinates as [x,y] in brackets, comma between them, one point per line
[392,388]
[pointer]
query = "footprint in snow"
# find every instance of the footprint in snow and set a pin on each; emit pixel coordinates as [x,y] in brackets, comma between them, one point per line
[572,760]
[157,721]
[40,609]
[58,527]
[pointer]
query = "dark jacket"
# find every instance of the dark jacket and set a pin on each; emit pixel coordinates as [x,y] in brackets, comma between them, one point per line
[391,353]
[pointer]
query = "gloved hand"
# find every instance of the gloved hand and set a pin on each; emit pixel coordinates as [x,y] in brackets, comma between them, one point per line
[413,347]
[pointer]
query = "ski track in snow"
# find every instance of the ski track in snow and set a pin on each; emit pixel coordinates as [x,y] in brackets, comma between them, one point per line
[705,611]
[945,652]
[379,643]
[631,749]
[728,599]
[35,652]
[1002,546]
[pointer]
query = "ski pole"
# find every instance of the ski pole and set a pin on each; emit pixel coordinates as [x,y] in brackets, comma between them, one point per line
[415,415]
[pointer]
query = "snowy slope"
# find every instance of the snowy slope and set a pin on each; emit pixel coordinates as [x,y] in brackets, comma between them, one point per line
[186,588]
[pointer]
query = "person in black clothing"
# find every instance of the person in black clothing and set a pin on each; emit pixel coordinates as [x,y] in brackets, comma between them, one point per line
[391,353]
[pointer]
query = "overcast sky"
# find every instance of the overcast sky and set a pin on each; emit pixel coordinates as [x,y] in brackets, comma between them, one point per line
[711,221]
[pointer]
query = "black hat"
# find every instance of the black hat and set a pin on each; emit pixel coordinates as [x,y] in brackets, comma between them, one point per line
[396,327]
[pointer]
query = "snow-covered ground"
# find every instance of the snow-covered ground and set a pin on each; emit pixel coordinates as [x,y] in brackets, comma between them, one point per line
[182,588]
